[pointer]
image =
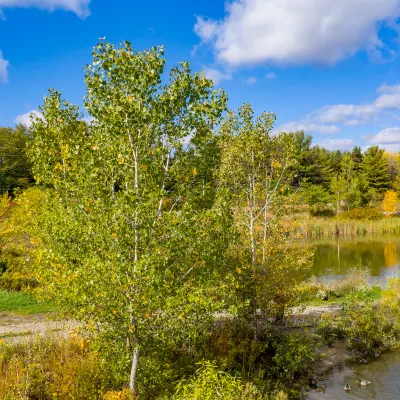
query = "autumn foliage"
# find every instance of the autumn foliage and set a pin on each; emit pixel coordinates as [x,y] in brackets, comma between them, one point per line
[389,203]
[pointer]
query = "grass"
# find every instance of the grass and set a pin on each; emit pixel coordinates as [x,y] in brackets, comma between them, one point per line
[15,334]
[23,303]
[355,288]
[366,295]
[332,227]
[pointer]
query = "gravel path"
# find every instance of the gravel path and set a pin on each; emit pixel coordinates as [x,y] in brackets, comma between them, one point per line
[15,327]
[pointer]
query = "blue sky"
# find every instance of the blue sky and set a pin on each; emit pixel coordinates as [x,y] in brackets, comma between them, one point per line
[330,67]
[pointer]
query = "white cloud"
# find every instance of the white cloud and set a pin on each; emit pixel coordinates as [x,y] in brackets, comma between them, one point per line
[388,139]
[326,119]
[4,65]
[251,80]
[79,7]
[337,144]
[271,75]
[307,127]
[216,75]
[25,119]
[297,32]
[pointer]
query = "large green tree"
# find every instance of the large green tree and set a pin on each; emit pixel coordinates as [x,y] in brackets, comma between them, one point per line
[376,169]
[130,230]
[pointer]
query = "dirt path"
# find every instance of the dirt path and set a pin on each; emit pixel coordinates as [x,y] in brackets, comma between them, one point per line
[14,327]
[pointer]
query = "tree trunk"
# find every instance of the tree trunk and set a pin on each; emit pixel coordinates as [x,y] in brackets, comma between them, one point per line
[253,251]
[135,362]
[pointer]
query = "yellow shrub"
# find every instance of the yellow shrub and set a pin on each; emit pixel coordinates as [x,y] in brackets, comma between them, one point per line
[125,394]
[55,368]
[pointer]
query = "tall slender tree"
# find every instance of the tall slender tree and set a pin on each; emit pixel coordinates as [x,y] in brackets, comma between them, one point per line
[130,228]
[257,170]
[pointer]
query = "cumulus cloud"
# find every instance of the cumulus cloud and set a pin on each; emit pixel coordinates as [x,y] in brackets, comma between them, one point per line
[4,65]
[216,75]
[308,127]
[79,7]
[297,32]
[25,119]
[337,144]
[326,119]
[388,139]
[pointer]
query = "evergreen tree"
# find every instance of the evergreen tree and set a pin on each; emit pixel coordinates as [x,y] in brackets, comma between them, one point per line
[357,157]
[375,169]
[306,157]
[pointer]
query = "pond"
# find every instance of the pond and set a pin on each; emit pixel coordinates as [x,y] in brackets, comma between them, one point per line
[383,373]
[334,258]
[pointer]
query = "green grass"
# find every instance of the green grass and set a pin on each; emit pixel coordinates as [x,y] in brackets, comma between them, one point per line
[23,303]
[370,294]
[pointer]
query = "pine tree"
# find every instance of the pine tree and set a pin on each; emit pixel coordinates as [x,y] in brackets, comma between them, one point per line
[375,169]
[357,157]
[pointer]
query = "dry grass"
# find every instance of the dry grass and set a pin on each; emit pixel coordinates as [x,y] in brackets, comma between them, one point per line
[331,227]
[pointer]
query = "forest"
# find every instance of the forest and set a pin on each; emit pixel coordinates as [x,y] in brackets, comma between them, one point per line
[165,226]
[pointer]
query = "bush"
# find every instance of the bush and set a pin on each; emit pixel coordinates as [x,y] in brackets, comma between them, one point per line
[367,214]
[390,296]
[55,368]
[17,281]
[209,383]
[294,357]
[367,329]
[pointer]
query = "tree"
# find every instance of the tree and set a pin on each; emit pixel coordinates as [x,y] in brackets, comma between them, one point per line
[339,190]
[375,169]
[316,197]
[357,158]
[130,231]
[307,168]
[15,168]
[389,203]
[256,170]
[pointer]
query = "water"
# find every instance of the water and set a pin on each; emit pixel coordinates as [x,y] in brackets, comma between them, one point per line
[334,258]
[383,373]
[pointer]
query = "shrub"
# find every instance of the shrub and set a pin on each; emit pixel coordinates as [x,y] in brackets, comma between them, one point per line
[294,357]
[390,296]
[209,383]
[125,394]
[52,368]
[368,214]
[367,329]
[17,281]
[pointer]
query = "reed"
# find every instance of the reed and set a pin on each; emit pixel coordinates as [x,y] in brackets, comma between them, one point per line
[331,227]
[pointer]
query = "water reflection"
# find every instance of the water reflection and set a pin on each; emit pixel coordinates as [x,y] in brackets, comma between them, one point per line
[383,373]
[336,257]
